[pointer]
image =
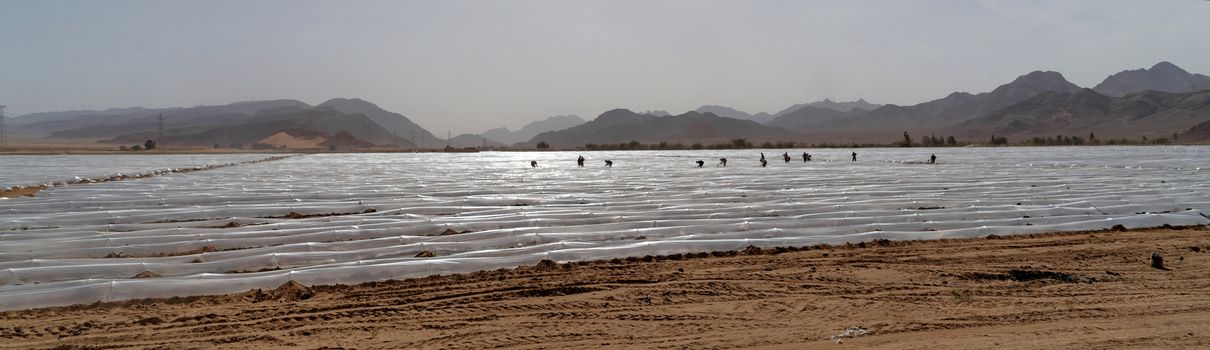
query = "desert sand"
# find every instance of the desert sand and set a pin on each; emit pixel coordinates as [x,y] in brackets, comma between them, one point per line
[1090,290]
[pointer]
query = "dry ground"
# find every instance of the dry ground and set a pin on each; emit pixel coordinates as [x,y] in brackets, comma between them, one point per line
[1057,291]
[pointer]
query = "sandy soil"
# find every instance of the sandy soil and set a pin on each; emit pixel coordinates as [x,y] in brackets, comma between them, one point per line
[26,191]
[293,142]
[1056,291]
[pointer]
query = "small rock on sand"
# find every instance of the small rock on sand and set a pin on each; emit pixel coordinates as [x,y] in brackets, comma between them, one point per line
[1157,261]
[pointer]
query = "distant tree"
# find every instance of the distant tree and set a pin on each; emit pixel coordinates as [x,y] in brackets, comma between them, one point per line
[951,141]
[136,148]
[740,143]
[696,146]
[1092,136]
[633,145]
[543,145]
[907,139]
[149,145]
[928,141]
[123,148]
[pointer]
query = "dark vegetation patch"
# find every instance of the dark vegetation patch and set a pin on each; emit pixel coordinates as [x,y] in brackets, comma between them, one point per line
[204,249]
[295,215]
[267,269]
[554,292]
[235,224]
[147,274]
[1024,275]
[450,232]
[149,321]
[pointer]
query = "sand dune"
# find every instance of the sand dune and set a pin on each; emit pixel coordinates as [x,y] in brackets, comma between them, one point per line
[293,142]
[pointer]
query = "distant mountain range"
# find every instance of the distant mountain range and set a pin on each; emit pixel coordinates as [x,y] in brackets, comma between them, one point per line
[344,122]
[844,106]
[955,108]
[134,119]
[1011,110]
[472,140]
[1163,76]
[1161,101]
[1150,113]
[1040,103]
[394,123]
[527,132]
[319,123]
[808,118]
[1197,133]
[622,125]
[766,118]
[728,112]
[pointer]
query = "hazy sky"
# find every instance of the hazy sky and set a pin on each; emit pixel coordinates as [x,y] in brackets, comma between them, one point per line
[474,65]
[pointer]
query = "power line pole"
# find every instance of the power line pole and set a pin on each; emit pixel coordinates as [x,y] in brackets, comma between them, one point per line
[159,137]
[3,129]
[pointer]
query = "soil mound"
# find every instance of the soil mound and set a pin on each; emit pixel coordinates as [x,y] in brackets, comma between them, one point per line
[289,291]
[146,274]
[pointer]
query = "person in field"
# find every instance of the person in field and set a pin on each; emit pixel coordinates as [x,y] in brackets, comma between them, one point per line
[580,161]
[933,159]
[763,163]
[533,164]
[805,157]
[700,163]
[786,157]
[608,163]
[722,161]
[854,156]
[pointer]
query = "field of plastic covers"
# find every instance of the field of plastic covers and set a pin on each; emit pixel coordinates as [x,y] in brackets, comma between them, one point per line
[348,218]
[28,170]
